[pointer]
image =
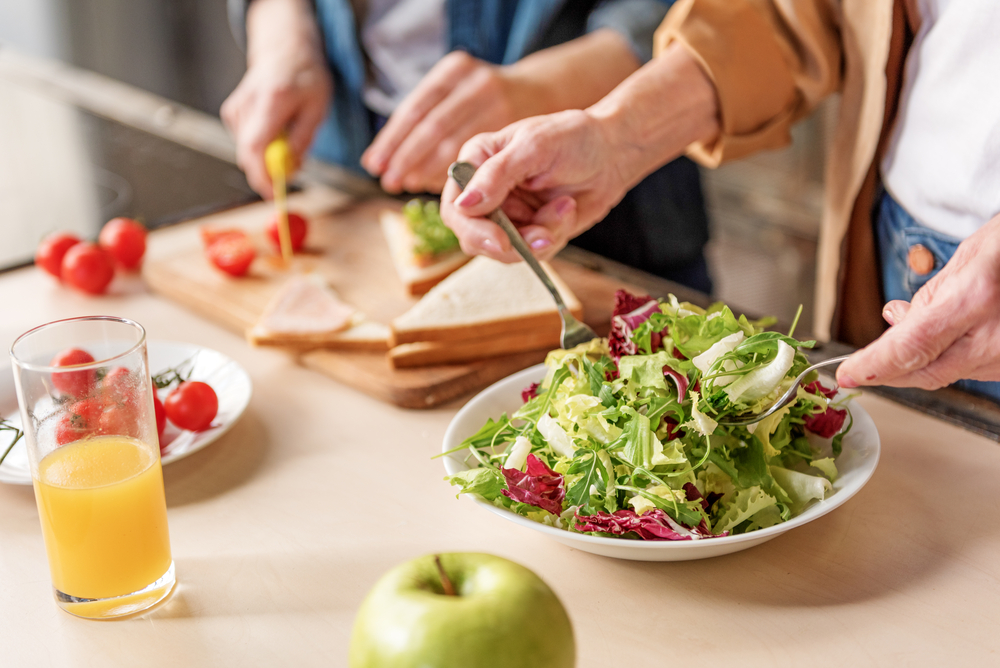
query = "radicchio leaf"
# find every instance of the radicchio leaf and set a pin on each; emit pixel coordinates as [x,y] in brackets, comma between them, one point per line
[680,380]
[829,423]
[540,486]
[529,393]
[692,494]
[626,302]
[672,427]
[651,525]
[630,311]
[816,387]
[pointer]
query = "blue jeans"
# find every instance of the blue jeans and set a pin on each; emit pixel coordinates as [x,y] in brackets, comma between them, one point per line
[897,232]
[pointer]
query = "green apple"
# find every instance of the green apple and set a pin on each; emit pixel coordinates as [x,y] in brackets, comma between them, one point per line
[461,610]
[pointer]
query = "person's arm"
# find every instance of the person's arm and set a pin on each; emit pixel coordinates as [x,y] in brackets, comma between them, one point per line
[567,170]
[463,96]
[287,85]
[764,63]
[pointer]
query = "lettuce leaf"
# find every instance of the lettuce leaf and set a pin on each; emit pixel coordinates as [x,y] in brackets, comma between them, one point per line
[486,482]
[801,488]
[746,504]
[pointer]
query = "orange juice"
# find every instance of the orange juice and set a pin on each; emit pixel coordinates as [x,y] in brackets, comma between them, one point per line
[104,517]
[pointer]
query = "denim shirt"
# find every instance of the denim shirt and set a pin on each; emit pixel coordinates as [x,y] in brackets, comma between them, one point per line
[496,31]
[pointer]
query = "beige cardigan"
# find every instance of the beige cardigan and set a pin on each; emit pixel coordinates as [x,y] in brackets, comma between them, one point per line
[772,61]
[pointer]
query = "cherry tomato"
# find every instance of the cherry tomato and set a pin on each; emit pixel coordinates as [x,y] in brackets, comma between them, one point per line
[232,253]
[79,421]
[125,239]
[297,229]
[209,235]
[49,255]
[73,383]
[88,267]
[161,415]
[192,405]
[118,420]
[119,383]
[67,430]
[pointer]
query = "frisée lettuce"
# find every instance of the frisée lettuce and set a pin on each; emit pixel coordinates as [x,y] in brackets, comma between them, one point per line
[625,436]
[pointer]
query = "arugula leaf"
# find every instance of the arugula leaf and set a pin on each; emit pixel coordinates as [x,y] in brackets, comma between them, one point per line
[751,465]
[638,440]
[488,434]
[587,464]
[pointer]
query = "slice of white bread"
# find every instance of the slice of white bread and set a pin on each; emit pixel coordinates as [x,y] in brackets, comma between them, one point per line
[487,299]
[306,313]
[417,278]
[428,353]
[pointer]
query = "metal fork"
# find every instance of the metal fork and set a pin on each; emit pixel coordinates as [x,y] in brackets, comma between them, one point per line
[786,398]
[574,332]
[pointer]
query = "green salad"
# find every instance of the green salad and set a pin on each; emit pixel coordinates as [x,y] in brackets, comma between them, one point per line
[431,235]
[623,436]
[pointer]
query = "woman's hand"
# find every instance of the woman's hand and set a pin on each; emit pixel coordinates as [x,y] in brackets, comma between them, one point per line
[463,96]
[557,175]
[460,97]
[949,332]
[553,175]
[287,86]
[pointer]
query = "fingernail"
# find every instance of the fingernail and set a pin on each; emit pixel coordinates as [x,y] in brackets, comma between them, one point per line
[848,382]
[563,207]
[469,198]
[489,245]
[887,316]
[539,244]
[391,176]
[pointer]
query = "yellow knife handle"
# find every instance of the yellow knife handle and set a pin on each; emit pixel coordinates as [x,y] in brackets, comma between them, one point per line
[280,165]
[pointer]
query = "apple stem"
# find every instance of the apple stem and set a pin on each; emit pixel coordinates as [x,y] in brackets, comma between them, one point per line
[449,588]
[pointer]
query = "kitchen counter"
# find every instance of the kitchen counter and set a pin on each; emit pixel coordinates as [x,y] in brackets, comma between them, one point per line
[280,528]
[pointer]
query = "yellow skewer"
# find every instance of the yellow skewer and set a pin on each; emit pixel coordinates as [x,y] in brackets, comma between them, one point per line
[280,165]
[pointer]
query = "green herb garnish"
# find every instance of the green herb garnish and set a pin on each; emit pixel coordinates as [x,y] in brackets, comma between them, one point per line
[432,236]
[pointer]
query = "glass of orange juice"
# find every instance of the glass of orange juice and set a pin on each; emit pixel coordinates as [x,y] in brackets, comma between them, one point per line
[86,403]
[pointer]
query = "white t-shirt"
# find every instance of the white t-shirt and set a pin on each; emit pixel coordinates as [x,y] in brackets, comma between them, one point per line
[403,40]
[943,160]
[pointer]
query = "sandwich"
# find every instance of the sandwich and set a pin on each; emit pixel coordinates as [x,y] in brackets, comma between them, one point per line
[306,314]
[424,251]
[484,309]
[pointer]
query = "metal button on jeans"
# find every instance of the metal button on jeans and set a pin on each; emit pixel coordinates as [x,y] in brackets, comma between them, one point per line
[920,259]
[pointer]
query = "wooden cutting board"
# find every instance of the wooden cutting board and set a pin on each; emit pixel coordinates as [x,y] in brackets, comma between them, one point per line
[346,246]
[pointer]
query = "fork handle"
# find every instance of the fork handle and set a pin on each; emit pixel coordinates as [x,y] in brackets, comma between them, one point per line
[832,360]
[462,173]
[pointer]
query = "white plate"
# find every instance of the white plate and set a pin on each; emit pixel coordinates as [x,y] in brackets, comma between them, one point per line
[856,465]
[229,380]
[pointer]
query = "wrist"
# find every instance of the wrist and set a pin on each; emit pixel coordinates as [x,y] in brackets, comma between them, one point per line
[525,95]
[655,114]
[282,28]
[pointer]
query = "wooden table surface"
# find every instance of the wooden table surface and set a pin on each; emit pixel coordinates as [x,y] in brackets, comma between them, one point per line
[280,528]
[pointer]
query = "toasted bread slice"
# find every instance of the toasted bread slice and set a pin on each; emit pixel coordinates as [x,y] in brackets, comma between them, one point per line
[429,353]
[417,274]
[486,298]
[305,314]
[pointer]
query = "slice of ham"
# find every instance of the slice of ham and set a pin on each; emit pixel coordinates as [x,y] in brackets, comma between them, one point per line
[304,307]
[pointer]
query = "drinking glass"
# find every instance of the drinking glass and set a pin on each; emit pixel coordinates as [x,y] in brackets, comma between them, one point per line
[86,403]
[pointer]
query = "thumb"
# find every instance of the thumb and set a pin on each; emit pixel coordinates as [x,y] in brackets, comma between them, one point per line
[895,311]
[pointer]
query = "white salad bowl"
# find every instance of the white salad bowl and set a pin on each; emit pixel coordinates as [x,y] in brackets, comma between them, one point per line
[856,465]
